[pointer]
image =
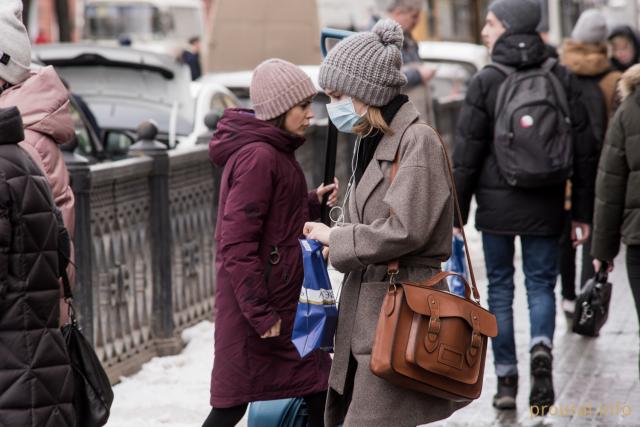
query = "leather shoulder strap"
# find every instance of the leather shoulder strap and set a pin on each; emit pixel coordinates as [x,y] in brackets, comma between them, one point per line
[394,266]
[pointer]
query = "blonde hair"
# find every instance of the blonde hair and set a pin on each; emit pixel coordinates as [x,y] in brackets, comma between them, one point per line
[373,122]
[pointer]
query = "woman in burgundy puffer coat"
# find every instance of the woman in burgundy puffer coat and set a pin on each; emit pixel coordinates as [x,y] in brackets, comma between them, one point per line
[264,204]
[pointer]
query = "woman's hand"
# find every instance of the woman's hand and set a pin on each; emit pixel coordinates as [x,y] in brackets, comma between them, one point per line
[317,231]
[274,331]
[597,264]
[333,188]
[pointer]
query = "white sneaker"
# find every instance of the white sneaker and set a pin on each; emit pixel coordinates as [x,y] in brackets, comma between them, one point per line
[569,307]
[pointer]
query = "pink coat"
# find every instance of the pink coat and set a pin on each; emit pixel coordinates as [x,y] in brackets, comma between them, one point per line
[43,102]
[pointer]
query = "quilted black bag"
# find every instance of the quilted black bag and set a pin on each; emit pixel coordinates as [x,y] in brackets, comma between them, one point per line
[93,395]
[592,305]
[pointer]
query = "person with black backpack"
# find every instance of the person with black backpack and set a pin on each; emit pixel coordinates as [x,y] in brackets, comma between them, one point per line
[522,132]
[585,55]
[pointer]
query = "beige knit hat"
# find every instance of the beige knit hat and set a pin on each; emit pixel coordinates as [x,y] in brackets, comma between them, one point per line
[277,86]
[15,47]
[367,66]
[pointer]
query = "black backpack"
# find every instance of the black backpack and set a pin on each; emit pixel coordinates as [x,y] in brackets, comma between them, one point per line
[533,134]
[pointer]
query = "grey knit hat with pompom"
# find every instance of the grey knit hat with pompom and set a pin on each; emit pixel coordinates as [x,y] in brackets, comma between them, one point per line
[367,66]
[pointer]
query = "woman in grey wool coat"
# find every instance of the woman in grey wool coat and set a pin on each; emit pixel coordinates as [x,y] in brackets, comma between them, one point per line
[362,75]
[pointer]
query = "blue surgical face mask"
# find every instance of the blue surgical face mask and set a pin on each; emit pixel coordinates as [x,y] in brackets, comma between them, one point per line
[343,115]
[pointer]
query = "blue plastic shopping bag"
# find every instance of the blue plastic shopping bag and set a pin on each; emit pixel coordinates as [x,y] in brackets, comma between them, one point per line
[456,264]
[316,317]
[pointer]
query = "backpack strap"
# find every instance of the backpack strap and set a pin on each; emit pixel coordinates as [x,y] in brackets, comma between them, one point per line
[548,64]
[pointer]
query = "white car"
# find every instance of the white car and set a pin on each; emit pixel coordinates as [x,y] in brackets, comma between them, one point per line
[124,87]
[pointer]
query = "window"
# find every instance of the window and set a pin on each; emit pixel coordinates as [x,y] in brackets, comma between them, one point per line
[83,137]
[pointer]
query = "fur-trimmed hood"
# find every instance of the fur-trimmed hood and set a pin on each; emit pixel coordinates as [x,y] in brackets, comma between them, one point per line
[630,79]
[585,59]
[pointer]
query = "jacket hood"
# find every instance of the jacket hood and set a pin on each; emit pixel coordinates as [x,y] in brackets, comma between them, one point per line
[629,81]
[239,127]
[629,33]
[585,59]
[43,102]
[519,50]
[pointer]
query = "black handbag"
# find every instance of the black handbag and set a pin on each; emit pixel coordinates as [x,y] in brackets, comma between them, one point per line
[592,305]
[92,396]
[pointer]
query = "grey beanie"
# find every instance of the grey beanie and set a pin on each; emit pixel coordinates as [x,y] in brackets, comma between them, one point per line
[518,16]
[390,5]
[367,66]
[15,47]
[590,28]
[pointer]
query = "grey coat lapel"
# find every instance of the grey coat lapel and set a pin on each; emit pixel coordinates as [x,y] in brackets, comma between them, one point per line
[386,151]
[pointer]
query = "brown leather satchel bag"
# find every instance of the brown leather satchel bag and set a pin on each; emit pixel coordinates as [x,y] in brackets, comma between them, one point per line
[429,340]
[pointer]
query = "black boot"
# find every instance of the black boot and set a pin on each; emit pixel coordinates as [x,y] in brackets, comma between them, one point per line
[505,398]
[542,395]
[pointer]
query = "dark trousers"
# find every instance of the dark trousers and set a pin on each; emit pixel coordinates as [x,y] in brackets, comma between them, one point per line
[567,262]
[633,271]
[229,417]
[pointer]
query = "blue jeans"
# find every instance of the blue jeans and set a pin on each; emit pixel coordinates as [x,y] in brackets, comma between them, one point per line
[539,260]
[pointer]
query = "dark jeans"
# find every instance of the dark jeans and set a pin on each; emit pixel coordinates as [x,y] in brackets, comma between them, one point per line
[229,417]
[539,262]
[567,262]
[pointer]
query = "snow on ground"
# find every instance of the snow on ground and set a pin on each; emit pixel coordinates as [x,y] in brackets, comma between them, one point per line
[169,391]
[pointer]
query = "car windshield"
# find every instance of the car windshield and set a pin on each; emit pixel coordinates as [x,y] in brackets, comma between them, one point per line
[110,21]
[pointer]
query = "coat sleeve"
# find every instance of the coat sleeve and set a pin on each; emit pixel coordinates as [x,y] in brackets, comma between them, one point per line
[419,196]
[474,135]
[585,155]
[5,234]
[246,209]
[611,188]
[315,207]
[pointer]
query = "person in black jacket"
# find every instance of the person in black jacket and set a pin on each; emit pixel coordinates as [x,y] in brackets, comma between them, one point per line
[504,211]
[191,57]
[36,384]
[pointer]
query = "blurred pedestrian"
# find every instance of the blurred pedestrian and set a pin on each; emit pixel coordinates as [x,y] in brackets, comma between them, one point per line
[36,384]
[363,76]
[585,55]
[191,57]
[43,102]
[617,207]
[263,205]
[625,47]
[533,208]
[407,14]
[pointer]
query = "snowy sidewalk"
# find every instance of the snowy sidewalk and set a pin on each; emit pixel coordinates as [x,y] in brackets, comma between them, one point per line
[174,391]
[169,391]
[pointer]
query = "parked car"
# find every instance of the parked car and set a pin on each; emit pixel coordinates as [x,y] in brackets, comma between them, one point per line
[162,26]
[471,56]
[124,87]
